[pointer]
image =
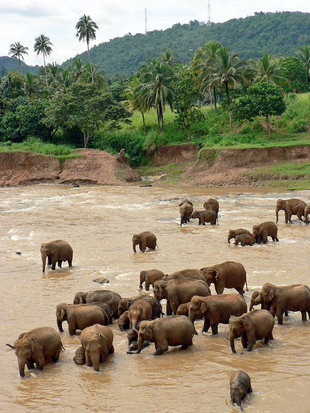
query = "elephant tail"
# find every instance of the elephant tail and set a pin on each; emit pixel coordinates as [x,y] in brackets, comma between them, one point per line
[9,345]
[246,284]
[62,346]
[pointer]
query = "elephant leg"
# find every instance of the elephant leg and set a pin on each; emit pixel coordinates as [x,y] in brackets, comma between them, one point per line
[30,364]
[59,263]
[53,262]
[56,356]
[214,328]
[147,285]
[240,291]
[264,235]
[244,341]
[49,261]
[268,337]
[174,304]
[88,359]
[70,263]
[160,349]
[168,308]
[279,315]
[111,351]
[286,313]
[206,325]
[71,327]
[304,315]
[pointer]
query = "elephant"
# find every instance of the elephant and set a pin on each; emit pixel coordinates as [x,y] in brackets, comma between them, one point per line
[187,273]
[291,207]
[179,291]
[97,342]
[56,251]
[123,321]
[233,233]
[264,230]
[278,299]
[306,213]
[186,209]
[228,274]
[79,356]
[212,204]
[216,309]
[251,326]
[125,303]
[138,311]
[244,239]
[106,309]
[174,330]
[149,277]
[205,216]
[103,296]
[40,346]
[79,316]
[240,386]
[145,240]
[256,299]
[132,337]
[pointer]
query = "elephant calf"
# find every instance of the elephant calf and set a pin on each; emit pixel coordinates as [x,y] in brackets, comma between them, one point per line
[244,239]
[99,296]
[186,210]
[123,321]
[233,233]
[240,386]
[138,311]
[145,240]
[262,231]
[149,277]
[212,204]
[252,326]
[205,216]
[79,356]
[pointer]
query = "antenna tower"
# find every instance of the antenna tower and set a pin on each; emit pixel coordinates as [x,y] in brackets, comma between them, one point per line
[209,13]
[145,20]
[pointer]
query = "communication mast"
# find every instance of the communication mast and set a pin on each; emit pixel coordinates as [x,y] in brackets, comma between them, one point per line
[209,13]
[145,20]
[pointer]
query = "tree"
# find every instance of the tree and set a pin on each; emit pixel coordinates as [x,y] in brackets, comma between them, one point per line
[134,100]
[86,30]
[17,50]
[263,99]
[267,70]
[43,46]
[296,75]
[304,55]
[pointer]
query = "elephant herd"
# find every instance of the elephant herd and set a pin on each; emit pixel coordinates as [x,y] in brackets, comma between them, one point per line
[188,298]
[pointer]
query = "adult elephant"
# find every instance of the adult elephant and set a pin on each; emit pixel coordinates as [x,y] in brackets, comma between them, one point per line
[233,233]
[279,299]
[179,291]
[97,343]
[79,316]
[293,206]
[125,303]
[175,330]
[38,346]
[187,273]
[56,252]
[212,204]
[149,277]
[138,311]
[103,296]
[252,326]
[216,309]
[228,274]
[264,230]
[186,209]
[145,240]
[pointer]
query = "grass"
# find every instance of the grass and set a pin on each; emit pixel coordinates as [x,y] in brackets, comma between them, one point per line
[172,172]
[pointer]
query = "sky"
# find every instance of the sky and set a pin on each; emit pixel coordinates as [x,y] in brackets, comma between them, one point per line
[24,20]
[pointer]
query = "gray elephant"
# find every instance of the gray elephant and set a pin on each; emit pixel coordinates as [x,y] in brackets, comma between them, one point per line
[186,210]
[79,316]
[145,240]
[187,273]
[138,311]
[233,233]
[228,274]
[291,207]
[264,230]
[132,337]
[149,277]
[212,204]
[38,346]
[240,386]
[244,239]
[103,296]
[205,216]
[79,356]
[306,213]
[56,252]
[175,330]
[251,326]
[123,321]
[97,343]
[125,303]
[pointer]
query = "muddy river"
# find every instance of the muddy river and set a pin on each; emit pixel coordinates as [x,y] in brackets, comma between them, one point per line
[99,222]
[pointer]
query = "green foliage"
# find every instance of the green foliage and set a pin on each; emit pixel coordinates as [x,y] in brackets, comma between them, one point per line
[295,73]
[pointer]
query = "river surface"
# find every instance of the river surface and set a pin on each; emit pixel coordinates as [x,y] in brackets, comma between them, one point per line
[99,223]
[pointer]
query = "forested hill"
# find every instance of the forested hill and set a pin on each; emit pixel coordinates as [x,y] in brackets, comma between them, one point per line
[280,34]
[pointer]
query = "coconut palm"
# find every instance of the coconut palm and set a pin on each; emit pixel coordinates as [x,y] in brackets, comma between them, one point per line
[267,69]
[17,50]
[43,46]
[86,30]
[304,55]
[134,99]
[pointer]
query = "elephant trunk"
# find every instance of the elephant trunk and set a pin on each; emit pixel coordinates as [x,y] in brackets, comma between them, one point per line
[21,366]
[191,315]
[140,343]
[134,246]
[277,213]
[95,359]
[43,261]
[59,324]
[232,344]
[228,239]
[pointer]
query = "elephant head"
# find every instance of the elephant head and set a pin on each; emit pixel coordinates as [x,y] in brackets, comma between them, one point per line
[80,298]
[240,327]
[210,275]
[136,240]
[123,306]
[197,307]
[142,278]
[267,295]
[255,299]
[27,351]
[160,291]
[231,234]
[306,213]
[94,348]
[279,206]
[145,333]
[61,315]
[45,253]
[79,356]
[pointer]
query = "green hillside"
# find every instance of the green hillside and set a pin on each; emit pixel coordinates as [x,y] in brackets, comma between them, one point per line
[274,33]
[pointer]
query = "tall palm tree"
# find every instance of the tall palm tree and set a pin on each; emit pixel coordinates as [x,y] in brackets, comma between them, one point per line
[17,50]
[86,30]
[304,55]
[134,99]
[43,46]
[267,69]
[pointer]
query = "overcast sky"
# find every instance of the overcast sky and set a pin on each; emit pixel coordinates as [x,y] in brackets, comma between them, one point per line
[23,20]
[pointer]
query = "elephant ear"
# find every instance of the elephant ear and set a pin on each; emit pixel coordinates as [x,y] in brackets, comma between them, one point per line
[203,307]
[216,276]
[270,294]
[36,347]
[249,329]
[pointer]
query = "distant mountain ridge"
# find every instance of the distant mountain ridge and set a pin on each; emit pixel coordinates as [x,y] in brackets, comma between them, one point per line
[279,33]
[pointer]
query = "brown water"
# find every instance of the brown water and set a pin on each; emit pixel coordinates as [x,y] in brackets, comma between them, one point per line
[99,222]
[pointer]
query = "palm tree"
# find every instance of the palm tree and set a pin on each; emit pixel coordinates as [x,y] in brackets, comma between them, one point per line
[17,50]
[43,46]
[86,30]
[267,69]
[304,55]
[134,99]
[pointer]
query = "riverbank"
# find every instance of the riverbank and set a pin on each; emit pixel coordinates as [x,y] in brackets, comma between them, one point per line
[285,166]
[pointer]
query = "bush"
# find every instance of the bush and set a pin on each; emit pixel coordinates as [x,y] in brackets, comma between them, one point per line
[299,125]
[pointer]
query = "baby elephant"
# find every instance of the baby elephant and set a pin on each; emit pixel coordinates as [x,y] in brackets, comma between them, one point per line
[240,386]
[205,216]
[132,337]
[123,321]
[79,356]
[262,231]
[145,240]
[244,239]
[149,277]
[174,330]
[233,233]
[186,210]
